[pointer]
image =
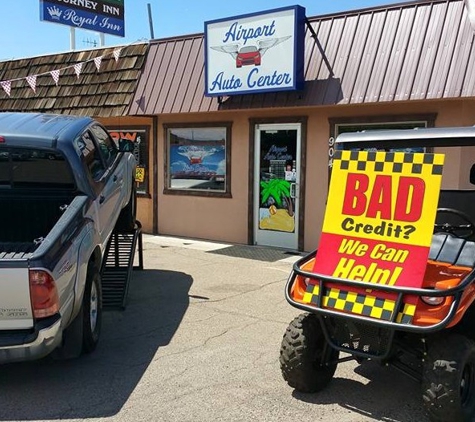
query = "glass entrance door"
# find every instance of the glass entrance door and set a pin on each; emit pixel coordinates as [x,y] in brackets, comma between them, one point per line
[277,175]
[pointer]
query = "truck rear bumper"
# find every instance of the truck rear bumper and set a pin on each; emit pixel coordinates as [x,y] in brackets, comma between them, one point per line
[47,339]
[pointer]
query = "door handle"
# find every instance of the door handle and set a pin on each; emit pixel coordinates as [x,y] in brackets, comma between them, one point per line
[293,190]
[102,198]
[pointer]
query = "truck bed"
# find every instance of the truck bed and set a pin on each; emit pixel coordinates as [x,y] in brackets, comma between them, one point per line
[15,250]
[26,220]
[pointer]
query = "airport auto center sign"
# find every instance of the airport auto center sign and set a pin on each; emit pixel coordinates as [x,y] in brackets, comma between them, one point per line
[106,16]
[255,53]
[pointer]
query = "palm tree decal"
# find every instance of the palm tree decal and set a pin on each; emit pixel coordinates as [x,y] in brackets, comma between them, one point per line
[277,189]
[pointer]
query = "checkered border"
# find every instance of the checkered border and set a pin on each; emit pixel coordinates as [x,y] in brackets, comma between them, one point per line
[360,304]
[388,162]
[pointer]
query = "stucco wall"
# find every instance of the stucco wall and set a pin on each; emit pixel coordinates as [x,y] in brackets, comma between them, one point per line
[220,219]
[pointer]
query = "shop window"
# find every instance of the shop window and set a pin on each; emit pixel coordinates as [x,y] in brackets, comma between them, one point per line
[140,138]
[198,159]
[339,126]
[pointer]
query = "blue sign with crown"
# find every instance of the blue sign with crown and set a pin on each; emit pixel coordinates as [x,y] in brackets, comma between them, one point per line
[98,16]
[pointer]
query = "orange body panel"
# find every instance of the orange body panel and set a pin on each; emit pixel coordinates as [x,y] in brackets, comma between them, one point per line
[438,275]
[443,276]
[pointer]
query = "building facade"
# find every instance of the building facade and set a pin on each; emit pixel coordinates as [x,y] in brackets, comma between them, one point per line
[402,66]
[254,168]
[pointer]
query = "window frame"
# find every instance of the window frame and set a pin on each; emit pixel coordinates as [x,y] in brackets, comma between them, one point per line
[226,192]
[389,120]
[96,155]
[108,143]
[335,122]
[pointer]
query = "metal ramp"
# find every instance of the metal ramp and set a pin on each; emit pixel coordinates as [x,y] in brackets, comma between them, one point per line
[118,264]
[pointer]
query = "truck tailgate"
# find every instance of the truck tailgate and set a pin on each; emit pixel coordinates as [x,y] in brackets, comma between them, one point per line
[15,302]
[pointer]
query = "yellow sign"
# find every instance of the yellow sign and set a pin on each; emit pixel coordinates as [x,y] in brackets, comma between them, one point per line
[378,228]
[390,196]
[139,174]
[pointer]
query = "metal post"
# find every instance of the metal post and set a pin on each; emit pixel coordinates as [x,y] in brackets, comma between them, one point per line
[150,21]
[72,38]
[102,39]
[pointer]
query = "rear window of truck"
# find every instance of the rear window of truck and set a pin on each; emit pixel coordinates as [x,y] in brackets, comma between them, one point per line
[27,168]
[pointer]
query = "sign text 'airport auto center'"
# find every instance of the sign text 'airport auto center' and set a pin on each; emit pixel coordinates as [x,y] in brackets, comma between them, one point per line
[105,16]
[260,52]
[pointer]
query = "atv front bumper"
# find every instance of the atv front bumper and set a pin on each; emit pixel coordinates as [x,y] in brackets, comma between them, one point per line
[360,301]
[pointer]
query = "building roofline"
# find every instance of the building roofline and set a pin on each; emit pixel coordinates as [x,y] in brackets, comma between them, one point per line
[314,18]
[374,9]
[105,47]
[177,38]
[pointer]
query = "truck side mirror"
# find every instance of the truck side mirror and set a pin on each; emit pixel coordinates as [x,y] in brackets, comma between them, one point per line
[472,174]
[126,146]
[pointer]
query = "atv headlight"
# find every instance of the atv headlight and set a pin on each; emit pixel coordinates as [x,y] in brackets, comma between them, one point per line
[433,300]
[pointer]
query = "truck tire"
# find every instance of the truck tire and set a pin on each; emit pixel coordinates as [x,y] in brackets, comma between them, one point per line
[301,352]
[82,335]
[128,215]
[92,309]
[448,379]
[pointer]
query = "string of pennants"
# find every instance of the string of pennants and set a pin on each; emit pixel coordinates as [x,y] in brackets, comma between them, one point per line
[55,74]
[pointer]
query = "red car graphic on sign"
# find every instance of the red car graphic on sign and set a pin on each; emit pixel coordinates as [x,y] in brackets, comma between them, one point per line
[248,56]
[252,54]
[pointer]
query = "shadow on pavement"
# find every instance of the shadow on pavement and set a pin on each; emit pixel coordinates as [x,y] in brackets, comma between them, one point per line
[376,397]
[99,384]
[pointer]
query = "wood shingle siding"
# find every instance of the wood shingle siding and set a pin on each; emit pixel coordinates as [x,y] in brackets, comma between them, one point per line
[104,93]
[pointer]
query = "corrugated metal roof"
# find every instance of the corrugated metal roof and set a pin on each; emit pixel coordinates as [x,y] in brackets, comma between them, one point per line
[104,93]
[409,51]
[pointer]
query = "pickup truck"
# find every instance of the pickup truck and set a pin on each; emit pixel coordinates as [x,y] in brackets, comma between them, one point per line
[64,187]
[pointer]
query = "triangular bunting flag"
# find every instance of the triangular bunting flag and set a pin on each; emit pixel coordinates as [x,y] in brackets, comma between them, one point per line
[32,82]
[7,86]
[116,53]
[98,61]
[78,69]
[141,103]
[55,76]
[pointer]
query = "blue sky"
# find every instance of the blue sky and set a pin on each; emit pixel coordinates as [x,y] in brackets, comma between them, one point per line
[24,35]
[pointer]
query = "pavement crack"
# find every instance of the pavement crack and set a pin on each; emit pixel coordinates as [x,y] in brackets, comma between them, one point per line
[238,294]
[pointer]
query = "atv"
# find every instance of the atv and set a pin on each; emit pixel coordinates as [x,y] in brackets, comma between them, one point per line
[434,343]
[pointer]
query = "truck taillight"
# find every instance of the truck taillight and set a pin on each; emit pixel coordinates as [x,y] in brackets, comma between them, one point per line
[44,294]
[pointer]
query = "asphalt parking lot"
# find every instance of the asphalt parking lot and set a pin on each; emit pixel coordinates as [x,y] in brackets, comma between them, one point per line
[199,340]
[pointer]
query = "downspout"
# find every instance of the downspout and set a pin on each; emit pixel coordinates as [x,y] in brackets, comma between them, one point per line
[155,175]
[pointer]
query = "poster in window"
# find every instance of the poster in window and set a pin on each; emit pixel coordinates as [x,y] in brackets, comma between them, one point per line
[139,137]
[197,158]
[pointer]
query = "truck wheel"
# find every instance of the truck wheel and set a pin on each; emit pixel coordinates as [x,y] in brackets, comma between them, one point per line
[302,349]
[448,379]
[92,308]
[82,335]
[128,215]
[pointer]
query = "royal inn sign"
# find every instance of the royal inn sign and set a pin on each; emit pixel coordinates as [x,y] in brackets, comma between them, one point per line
[105,16]
[255,53]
